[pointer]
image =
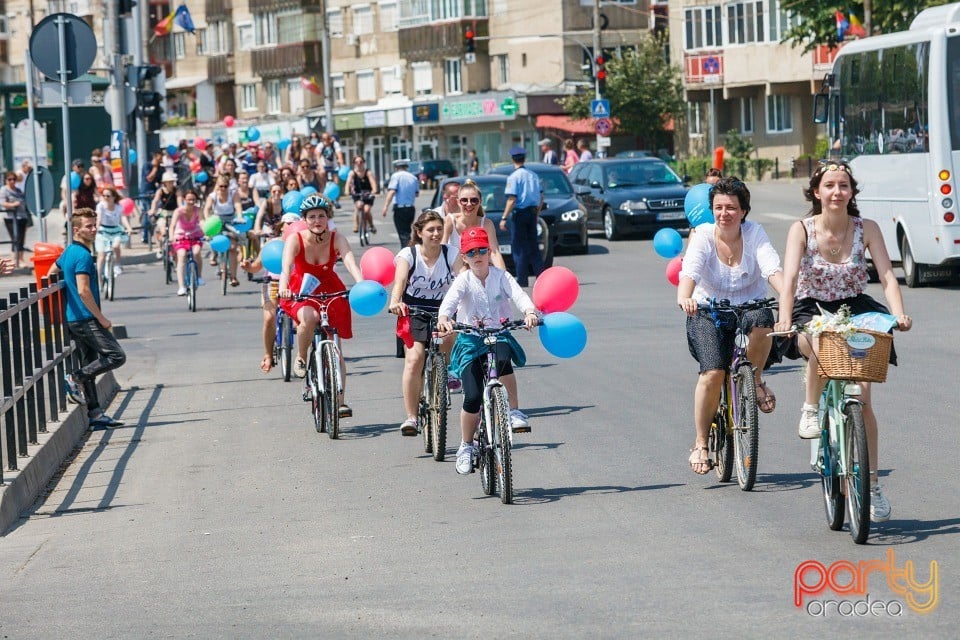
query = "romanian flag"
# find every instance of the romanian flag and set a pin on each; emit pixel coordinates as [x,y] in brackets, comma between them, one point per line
[311,85]
[165,26]
[842,25]
[856,27]
[181,17]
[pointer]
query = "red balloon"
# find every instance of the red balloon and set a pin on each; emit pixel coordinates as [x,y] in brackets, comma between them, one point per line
[673,270]
[127,206]
[556,289]
[229,121]
[377,264]
[200,143]
[195,167]
[293,227]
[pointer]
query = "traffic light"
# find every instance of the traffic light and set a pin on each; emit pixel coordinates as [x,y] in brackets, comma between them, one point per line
[469,44]
[601,75]
[125,7]
[151,95]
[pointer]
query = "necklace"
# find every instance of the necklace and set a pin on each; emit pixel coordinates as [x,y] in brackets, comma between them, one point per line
[836,251]
[732,252]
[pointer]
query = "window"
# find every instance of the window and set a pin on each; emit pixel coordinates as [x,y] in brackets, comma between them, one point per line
[273,96]
[452,82]
[215,39]
[502,65]
[366,87]
[295,91]
[339,88]
[245,39]
[745,22]
[416,12]
[291,25]
[422,78]
[695,118]
[746,115]
[389,16]
[180,45]
[703,28]
[265,28]
[780,20]
[362,19]
[248,97]
[335,23]
[779,119]
[391,79]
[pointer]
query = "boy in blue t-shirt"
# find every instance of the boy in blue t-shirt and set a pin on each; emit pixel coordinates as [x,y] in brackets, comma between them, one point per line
[99,351]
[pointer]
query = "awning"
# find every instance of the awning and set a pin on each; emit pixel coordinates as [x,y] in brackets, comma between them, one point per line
[183,82]
[564,123]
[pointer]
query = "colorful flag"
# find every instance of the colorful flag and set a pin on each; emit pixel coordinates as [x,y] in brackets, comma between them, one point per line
[842,25]
[311,85]
[183,19]
[165,26]
[856,27]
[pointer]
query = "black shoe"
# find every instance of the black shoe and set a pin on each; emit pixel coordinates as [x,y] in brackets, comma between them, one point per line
[104,421]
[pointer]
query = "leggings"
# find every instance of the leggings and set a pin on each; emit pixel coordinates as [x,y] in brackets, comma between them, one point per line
[16,227]
[473,376]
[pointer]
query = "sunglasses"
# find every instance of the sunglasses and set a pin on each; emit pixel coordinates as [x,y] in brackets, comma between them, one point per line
[473,253]
[469,200]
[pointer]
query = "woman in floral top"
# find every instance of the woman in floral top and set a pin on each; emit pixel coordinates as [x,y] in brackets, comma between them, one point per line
[824,263]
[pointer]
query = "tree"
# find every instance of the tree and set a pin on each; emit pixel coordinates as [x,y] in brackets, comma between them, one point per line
[644,90]
[818,24]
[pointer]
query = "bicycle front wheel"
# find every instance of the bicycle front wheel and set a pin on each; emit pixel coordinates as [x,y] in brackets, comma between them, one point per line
[438,407]
[167,262]
[857,476]
[500,433]
[330,390]
[746,437]
[192,285]
[224,272]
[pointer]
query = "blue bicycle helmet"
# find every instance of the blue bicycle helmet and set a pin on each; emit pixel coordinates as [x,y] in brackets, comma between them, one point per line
[316,201]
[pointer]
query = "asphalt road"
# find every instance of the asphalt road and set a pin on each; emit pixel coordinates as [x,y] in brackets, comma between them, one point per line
[220,512]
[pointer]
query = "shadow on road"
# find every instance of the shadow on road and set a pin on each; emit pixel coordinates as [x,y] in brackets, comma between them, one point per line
[366,431]
[910,531]
[558,410]
[539,495]
[771,482]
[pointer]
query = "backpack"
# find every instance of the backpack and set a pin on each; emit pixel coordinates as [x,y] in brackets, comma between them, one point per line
[413,267]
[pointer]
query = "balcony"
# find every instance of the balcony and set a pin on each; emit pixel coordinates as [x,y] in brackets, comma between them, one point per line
[217,9]
[220,68]
[261,6]
[439,40]
[286,60]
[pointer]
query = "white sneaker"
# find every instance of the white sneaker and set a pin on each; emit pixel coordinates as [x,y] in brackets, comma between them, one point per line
[201,282]
[159,254]
[809,422]
[879,505]
[182,291]
[519,422]
[117,270]
[465,458]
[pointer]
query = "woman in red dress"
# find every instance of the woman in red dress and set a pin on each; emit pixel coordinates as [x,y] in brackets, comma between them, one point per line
[314,251]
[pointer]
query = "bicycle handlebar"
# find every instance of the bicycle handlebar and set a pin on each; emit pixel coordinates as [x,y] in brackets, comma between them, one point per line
[508,326]
[725,305]
[320,297]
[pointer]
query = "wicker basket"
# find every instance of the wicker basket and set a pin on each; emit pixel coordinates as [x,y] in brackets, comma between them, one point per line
[841,361]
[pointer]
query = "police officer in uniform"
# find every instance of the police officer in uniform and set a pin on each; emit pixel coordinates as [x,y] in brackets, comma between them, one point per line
[524,200]
[404,188]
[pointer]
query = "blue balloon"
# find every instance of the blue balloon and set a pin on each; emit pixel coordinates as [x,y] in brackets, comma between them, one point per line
[243,227]
[562,334]
[283,144]
[696,204]
[291,202]
[368,297]
[332,190]
[201,177]
[253,134]
[251,212]
[343,173]
[308,190]
[132,156]
[172,149]
[74,180]
[271,256]
[668,243]
[220,244]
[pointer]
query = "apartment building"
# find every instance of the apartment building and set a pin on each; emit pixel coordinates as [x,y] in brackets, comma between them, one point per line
[737,75]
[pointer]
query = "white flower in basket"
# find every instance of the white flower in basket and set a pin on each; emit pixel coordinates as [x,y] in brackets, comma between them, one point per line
[838,322]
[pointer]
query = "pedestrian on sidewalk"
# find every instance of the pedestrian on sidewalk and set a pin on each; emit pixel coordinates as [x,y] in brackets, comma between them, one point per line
[99,351]
[16,217]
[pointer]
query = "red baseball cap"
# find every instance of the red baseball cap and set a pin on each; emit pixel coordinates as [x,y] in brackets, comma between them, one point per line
[474,238]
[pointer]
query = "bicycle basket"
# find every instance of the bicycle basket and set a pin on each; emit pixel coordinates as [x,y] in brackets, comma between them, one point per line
[863,357]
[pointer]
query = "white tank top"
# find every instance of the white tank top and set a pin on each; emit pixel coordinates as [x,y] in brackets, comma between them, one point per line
[109,217]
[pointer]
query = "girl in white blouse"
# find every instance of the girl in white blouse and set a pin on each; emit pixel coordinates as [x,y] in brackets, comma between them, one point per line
[730,259]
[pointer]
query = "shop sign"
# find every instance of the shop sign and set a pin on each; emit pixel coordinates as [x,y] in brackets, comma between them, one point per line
[484,107]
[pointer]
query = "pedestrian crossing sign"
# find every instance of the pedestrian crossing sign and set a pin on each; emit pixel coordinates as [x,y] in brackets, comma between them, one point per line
[600,108]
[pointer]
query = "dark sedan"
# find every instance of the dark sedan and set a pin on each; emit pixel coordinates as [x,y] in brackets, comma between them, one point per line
[493,200]
[635,195]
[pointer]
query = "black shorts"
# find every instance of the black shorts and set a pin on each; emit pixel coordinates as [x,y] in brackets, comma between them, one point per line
[367,199]
[712,346]
[805,308]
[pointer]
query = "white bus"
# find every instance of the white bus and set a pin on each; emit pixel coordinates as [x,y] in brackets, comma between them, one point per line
[892,108]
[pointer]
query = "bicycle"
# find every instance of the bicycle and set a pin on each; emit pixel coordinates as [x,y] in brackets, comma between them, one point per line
[283,344]
[840,455]
[494,438]
[434,399]
[365,201]
[324,382]
[167,256]
[734,433]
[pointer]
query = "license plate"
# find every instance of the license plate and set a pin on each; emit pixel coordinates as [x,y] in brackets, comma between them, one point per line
[505,249]
[671,215]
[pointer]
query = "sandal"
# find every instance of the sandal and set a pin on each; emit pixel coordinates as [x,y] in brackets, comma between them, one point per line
[408,427]
[766,401]
[213,261]
[702,460]
[234,282]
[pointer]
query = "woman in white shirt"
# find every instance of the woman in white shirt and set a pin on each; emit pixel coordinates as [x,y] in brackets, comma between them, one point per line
[113,229]
[730,259]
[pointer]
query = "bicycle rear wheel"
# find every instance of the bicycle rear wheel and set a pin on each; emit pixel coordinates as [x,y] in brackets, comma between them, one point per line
[167,261]
[109,279]
[286,347]
[438,406]
[330,390]
[721,440]
[857,478]
[313,388]
[500,433]
[746,437]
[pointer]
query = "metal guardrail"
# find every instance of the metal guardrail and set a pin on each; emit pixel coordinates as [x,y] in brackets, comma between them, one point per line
[34,348]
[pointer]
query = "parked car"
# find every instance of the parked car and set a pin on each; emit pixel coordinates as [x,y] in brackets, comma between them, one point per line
[493,200]
[429,171]
[564,214]
[630,195]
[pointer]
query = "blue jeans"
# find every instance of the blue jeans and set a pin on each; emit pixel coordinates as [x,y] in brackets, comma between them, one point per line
[99,353]
[523,244]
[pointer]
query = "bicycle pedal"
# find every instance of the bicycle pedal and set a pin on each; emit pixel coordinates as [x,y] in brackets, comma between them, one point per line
[520,429]
[306,396]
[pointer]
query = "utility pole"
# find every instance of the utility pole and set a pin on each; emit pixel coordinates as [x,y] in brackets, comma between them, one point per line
[118,114]
[136,17]
[593,63]
[868,17]
[325,64]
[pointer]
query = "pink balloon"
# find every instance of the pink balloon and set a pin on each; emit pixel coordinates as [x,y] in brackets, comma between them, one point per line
[199,143]
[293,227]
[377,264]
[556,289]
[673,270]
[229,121]
[127,205]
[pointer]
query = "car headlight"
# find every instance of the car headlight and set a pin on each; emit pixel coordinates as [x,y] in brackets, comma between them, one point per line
[571,216]
[634,205]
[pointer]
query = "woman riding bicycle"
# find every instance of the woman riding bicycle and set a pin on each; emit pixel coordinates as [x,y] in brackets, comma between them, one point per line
[113,229]
[824,264]
[165,202]
[729,259]
[186,235]
[481,297]
[315,251]
[425,270]
[222,204]
[362,187]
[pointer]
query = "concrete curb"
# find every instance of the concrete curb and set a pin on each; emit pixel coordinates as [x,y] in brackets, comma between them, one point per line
[20,489]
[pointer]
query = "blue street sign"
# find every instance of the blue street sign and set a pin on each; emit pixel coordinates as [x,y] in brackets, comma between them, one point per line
[600,108]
